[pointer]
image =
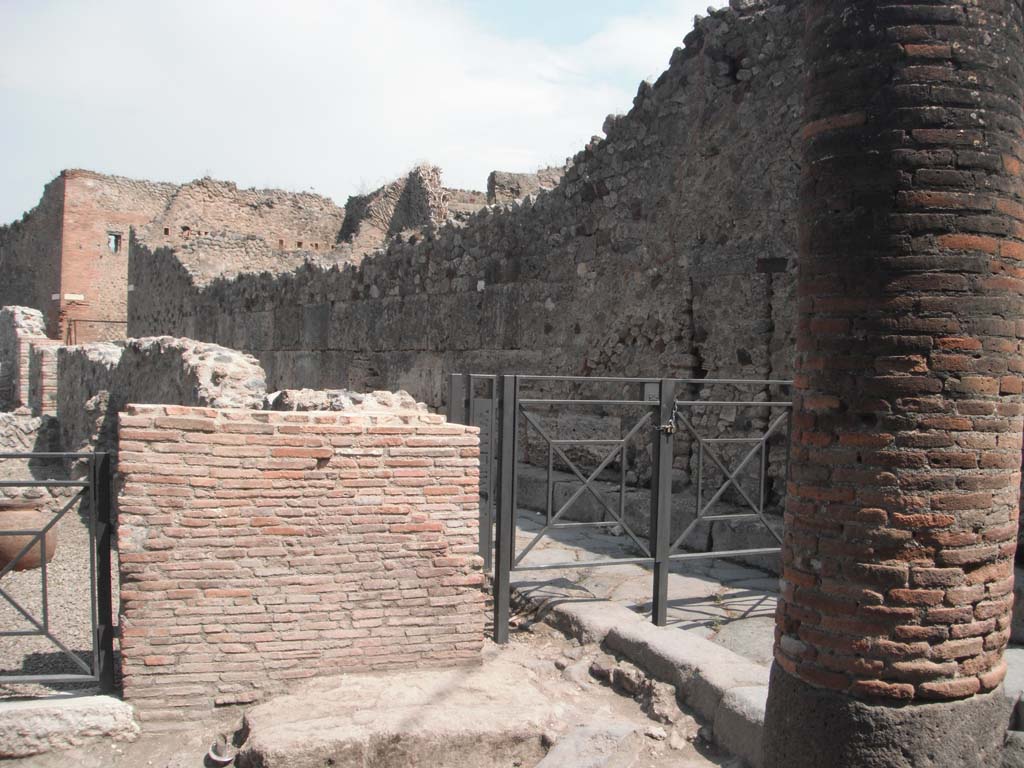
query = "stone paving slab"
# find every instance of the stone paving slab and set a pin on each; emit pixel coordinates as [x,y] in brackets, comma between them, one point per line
[728,603]
[33,726]
[717,647]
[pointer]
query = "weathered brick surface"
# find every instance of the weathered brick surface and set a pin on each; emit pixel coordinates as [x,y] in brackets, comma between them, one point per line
[902,504]
[20,328]
[42,377]
[93,277]
[258,548]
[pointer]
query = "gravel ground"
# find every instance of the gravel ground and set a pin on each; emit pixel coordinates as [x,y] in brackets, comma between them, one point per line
[69,603]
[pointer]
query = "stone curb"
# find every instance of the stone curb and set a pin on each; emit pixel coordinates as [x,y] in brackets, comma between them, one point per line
[724,688]
[36,726]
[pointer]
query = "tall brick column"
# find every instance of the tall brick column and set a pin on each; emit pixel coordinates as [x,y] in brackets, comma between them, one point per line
[901,517]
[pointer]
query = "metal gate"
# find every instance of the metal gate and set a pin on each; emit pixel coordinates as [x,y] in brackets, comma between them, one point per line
[652,415]
[93,502]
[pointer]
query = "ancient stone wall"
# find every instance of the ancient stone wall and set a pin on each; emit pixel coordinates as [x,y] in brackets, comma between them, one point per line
[97,381]
[30,251]
[23,433]
[409,203]
[463,203]
[68,257]
[286,220]
[506,187]
[20,327]
[666,249]
[261,548]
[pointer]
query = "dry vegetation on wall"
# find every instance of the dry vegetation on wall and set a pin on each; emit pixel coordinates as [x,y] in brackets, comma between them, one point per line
[603,274]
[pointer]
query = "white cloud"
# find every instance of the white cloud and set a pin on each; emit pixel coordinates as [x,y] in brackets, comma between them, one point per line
[308,93]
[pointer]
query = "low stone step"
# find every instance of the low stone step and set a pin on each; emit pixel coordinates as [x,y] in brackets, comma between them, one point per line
[33,727]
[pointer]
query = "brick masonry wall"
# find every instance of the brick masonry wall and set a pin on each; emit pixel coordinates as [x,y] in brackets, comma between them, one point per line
[42,376]
[20,328]
[260,548]
[903,502]
[94,280]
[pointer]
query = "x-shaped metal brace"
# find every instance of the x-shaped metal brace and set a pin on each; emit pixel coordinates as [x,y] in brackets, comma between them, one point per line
[555,446]
[731,478]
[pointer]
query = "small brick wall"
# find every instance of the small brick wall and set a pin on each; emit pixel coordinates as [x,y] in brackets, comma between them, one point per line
[42,377]
[259,548]
[20,328]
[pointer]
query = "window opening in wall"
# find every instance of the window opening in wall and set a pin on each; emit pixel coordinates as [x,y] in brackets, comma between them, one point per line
[280,243]
[298,244]
[114,242]
[167,230]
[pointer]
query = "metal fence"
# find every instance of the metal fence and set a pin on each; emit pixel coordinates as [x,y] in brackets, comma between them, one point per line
[651,415]
[83,329]
[93,499]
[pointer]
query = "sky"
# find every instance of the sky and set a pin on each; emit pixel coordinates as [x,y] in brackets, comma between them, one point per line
[332,96]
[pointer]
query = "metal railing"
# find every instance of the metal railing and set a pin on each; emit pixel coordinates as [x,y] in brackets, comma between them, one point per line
[112,330]
[472,399]
[94,494]
[648,409]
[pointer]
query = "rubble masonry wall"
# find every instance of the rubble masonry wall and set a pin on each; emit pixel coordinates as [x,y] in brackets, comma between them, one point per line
[666,249]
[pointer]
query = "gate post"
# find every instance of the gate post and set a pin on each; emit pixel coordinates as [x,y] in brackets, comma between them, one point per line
[101,497]
[505,540]
[457,398]
[661,500]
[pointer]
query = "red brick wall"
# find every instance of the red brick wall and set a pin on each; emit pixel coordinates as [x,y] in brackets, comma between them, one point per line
[95,206]
[902,510]
[257,548]
[42,377]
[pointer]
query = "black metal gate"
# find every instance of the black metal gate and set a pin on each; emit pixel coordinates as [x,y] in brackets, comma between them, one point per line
[93,502]
[651,415]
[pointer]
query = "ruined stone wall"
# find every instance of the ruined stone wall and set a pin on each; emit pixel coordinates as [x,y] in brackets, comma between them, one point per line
[261,548]
[286,220]
[94,267]
[97,381]
[30,251]
[409,203]
[23,433]
[506,187]
[463,203]
[666,249]
[20,327]
[223,256]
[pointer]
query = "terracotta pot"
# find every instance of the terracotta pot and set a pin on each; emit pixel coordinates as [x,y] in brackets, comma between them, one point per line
[24,516]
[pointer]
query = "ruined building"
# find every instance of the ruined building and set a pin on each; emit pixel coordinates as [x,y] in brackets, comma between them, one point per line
[68,257]
[669,248]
